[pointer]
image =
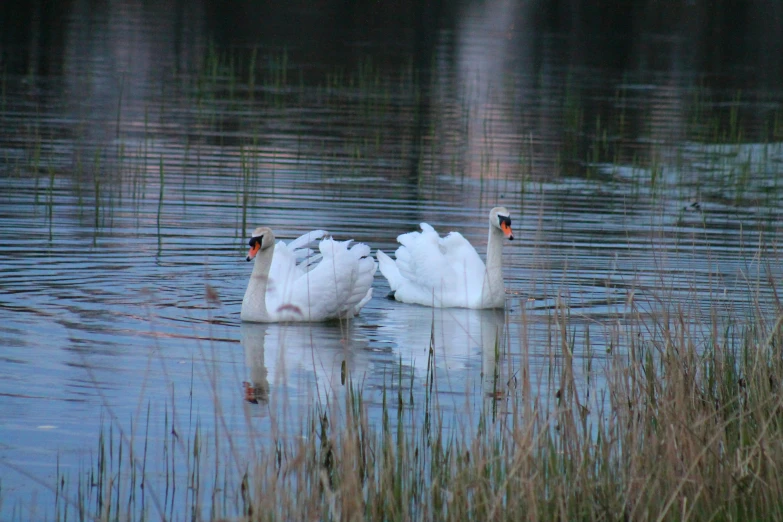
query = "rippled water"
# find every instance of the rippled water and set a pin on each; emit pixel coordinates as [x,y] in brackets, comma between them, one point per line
[133,171]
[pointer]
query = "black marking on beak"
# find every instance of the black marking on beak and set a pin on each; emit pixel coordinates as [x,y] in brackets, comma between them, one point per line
[252,244]
[505,220]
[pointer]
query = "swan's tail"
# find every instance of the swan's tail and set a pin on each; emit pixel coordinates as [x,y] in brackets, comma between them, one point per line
[363,302]
[367,269]
[389,270]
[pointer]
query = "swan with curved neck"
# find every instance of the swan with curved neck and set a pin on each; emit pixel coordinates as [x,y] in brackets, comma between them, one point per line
[295,283]
[448,272]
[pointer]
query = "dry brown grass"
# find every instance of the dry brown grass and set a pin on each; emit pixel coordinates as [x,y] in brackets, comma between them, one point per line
[686,428]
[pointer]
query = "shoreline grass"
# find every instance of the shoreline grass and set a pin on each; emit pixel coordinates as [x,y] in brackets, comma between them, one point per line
[682,428]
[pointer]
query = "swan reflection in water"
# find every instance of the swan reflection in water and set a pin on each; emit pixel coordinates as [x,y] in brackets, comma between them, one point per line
[467,344]
[295,365]
[291,361]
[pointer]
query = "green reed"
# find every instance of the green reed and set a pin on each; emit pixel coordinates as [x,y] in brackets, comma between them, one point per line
[3,88]
[688,428]
[161,193]
[371,94]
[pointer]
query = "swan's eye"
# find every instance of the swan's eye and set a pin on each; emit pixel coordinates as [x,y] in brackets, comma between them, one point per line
[254,240]
[504,220]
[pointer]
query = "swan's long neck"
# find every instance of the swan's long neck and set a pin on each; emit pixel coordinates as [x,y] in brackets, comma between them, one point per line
[493,290]
[255,295]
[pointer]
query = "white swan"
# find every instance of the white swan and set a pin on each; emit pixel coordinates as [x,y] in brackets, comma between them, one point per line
[448,272]
[294,283]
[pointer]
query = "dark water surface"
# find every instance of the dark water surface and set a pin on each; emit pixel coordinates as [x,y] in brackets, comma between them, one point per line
[140,144]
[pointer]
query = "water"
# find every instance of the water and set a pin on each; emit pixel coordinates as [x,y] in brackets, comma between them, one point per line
[137,157]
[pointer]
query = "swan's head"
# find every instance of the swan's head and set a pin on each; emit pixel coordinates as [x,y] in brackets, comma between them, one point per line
[500,218]
[261,239]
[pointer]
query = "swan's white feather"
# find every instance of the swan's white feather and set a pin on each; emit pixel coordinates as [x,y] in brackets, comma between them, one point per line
[304,247]
[434,270]
[440,271]
[303,285]
[307,240]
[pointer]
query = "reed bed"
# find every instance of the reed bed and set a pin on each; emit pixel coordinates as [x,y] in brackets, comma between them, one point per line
[684,426]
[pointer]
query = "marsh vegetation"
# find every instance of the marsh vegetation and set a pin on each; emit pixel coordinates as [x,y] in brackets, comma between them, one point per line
[634,374]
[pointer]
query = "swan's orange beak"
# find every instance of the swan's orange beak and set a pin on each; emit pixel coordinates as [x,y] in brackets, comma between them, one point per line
[254,250]
[506,228]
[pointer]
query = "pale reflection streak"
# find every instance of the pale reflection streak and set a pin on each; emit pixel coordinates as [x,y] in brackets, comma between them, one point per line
[486,94]
[298,365]
[293,366]
[466,344]
[117,56]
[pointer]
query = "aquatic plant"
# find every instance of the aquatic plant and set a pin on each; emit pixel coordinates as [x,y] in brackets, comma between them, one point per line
[682,426]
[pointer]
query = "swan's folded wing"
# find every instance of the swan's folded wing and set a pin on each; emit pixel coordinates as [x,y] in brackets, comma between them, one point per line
[281,280]
[328,290]
[303,249]
[421,260]
[307,258]
[461,256]
[354,272]
[308,240]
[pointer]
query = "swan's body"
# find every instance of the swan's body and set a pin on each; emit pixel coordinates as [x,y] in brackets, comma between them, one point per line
[294,283]
[447,271]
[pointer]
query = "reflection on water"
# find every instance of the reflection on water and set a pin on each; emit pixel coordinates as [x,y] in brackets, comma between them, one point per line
[464,346]
[140,143]
[293,366]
